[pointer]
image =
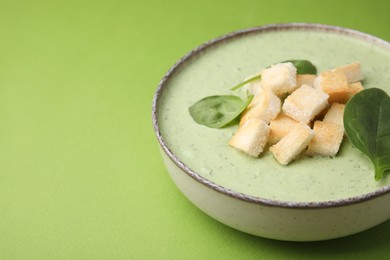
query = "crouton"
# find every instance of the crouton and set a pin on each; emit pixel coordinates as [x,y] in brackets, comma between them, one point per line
[335,84]
[327,139]
[280,78]
[352,72]
[251,138]
[305,103]
[356,88]
[265,106]
[335,114]
[280,127]
[320,115]
[290,146]
[305,79]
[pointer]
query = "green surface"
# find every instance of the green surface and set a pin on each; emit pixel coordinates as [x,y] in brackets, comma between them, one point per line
[81,176]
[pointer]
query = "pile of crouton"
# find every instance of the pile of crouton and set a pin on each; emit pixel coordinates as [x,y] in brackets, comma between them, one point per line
[295,114]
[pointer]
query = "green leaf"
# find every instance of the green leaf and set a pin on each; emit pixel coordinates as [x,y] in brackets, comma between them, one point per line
[303,66]
[367,125]
[257,77]
[218,111]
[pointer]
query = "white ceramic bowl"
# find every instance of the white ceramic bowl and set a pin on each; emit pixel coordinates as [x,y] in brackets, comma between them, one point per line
[284,219]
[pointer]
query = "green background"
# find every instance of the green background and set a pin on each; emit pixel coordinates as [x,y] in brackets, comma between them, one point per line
[81,176]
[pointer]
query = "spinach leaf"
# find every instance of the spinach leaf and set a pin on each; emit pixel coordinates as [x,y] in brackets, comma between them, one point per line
[218,111]
[245,82]
[303,66]
[367,125]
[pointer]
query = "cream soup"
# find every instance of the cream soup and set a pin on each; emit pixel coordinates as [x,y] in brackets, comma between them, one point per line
[216,69]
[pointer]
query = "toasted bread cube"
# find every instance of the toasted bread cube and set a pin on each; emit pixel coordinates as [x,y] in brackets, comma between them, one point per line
[356,88]
[327,139]
[335,84]
[280,78]
[305,103]
[335,114]
[280,127]
[352,72]
[251,138]
[290,146]
[305,79]
[265,106]
[320,115]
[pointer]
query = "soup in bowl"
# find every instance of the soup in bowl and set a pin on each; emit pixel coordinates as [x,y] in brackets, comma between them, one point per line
[313,198]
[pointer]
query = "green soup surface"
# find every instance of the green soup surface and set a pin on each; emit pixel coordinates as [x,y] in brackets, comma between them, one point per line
[218,68]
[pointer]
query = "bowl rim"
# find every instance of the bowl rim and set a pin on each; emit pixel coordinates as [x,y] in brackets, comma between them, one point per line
[238,195]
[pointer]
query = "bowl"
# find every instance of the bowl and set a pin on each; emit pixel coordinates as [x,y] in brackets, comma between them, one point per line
[315,198]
